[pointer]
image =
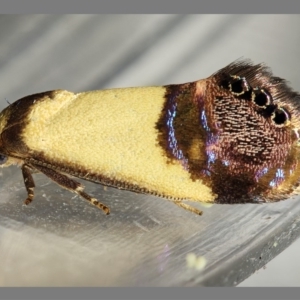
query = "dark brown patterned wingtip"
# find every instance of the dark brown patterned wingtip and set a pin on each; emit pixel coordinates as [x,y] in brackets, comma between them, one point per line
[257,117]
[237,131]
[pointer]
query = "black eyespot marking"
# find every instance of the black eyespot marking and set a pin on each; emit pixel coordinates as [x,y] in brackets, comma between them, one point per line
[241,89]
[3,159]
[239,86]
[281,117]
[261,97]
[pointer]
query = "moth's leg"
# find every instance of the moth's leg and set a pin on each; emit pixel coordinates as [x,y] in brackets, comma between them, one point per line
[71,185]
[188,207]
[29,183]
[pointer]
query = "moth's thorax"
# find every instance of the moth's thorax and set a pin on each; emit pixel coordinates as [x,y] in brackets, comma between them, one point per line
[13,122]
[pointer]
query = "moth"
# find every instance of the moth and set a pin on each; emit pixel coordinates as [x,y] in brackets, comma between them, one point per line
[230,138]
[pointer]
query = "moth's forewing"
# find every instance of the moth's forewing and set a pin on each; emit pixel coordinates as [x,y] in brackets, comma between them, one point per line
[230,138]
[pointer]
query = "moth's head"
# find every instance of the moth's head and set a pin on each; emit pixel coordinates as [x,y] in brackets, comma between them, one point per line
[4,115]
[8,139]
[252,138]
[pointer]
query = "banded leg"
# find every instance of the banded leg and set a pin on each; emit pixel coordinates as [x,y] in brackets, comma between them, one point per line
[188,207]
[29,183]
[71,185]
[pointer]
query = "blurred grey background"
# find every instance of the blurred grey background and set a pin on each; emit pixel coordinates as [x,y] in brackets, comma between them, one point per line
[59,240]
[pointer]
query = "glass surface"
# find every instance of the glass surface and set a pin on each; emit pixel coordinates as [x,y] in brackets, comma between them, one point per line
[61,240]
